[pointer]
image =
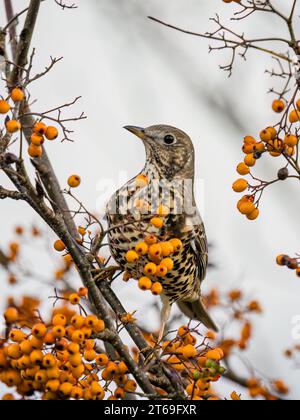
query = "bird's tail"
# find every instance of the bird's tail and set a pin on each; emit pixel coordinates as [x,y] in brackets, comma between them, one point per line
[196,311]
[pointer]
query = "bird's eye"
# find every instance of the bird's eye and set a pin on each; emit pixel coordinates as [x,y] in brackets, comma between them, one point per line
[169,139]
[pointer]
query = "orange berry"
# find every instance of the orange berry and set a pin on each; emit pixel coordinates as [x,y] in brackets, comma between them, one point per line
[250,160]
[163,211]
[66,389]
[74,181]
[166,249]
[11,315]
[243,169]
[130,386]
[77,321]
[59,331]
[77,393]
[142,248]
[157,222]
[17,95]
[97,390]
[248,148]
[189,351]
[102,360]
[168,263]
[90,355]
[151,240]
[141,181]
[253,215]
[273,132]
[36,357]
[74,299]
[266,135]
[214,355]
[259,147]
[59,320]
[182,331]
[35,151]
[291,140]
[145,283]
[123,369]
[37,140]
[13,351]
[78,336]
[75,359]
[177,244]
[17,336]
[51,133]
[249,140]
[25,347]
[155,251]
[157,289]
[119,393]
[282,260]
[294,116]
[240,185]
[40,128]
[99,326]
[83,292]
[112,369]
[53,385]
[12,126]
[4,107]
[73,348]
[278,106]
[59,246]
[36,343]
[39,330]
[132,257]
[247,207]
[150,269]
[49,361]
[162,271]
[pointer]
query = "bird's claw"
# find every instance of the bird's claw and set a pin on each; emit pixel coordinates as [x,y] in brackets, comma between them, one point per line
[106,273]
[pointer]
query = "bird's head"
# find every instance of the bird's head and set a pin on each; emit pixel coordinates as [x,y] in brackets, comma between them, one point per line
[170,151]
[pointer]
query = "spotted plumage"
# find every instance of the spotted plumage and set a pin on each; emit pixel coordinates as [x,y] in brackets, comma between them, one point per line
[169,171]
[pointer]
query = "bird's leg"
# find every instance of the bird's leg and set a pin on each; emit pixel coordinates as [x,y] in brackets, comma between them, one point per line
[165,315]
[105,273]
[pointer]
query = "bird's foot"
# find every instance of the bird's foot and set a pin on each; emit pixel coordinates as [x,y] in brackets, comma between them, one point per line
[151,353]
[106,273]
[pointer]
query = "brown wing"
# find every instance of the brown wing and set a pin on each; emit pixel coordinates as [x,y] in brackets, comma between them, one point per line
[200,248]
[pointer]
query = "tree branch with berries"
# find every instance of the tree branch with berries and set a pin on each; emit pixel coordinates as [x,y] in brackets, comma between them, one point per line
[78,351]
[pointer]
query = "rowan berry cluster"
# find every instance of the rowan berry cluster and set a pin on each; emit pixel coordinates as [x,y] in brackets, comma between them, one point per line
[198,365]
[291,263]
[154,256]
[41,132]
[61,359]
[272,143]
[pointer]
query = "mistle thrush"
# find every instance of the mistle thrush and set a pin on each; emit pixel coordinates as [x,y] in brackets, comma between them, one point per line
[169,169]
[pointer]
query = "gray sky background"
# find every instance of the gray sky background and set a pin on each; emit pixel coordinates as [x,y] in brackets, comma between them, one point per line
[132,71]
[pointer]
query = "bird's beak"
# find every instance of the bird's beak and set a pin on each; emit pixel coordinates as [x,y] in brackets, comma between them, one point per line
[137,131]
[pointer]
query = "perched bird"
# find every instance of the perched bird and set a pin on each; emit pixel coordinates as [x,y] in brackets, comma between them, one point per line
[170,173]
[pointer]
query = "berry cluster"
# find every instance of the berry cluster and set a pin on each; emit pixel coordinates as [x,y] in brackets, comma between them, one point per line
[12,124]
[270,143]
[153,255]
[291,263]
[39,133]
[60,360]
[199,366]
